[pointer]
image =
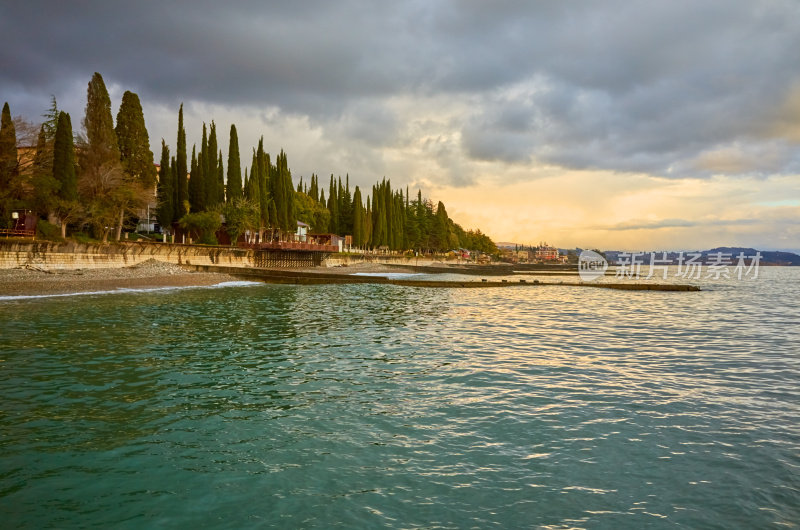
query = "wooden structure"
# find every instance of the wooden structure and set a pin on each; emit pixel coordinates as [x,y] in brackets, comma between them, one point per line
[17,233]
[287,259]
[24,225]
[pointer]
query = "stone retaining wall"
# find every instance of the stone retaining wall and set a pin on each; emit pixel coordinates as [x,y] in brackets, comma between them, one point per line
[72,255]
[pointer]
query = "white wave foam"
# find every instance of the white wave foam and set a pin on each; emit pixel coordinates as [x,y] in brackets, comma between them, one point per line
[389,275]
[128,290]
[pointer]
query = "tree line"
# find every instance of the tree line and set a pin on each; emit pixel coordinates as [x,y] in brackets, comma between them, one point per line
[96,180]
[261,199]
[99,181]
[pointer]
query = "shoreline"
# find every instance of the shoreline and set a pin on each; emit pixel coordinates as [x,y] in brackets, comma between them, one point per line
[33,281]
[150,274]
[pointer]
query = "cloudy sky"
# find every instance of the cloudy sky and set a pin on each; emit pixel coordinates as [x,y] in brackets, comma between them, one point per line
[618,124]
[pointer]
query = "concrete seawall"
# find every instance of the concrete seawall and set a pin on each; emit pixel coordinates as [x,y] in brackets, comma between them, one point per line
[72,255]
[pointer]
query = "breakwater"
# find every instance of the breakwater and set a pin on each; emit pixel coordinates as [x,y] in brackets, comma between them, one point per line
[318,278]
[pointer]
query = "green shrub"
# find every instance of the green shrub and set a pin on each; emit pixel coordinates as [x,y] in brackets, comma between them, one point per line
[208,239]
[83,237]
[45,230]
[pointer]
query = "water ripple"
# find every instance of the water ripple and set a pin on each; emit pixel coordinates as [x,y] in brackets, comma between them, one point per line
[375,405]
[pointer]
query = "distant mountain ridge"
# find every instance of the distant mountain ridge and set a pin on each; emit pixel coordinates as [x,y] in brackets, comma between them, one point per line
[768,257]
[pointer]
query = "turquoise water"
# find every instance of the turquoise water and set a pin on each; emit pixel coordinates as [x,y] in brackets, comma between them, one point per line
[381,406]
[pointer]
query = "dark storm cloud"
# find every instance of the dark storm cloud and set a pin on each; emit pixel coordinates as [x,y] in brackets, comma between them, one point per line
[620,85]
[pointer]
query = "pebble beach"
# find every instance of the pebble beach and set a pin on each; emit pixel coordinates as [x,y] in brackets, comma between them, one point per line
[151,273]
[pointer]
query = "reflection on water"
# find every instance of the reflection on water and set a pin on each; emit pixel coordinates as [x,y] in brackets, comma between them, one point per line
[369,405]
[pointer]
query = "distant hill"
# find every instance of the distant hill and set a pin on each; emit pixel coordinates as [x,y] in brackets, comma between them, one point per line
[506,244]
[768,257]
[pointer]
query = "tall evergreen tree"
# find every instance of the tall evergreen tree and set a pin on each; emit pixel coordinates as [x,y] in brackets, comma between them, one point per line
[333,207]
[203,171]
[368,224]
[346,207]
[101,138]
[262,170]
[284,198]
[441,228]
[272,215]
[45,186]
[252,191]
[202,184]
[108,192]
[210,156]
[313,190]
[234,187]
[64,159]
[9,169]
[220,187]
[181,170]
[51,119]
[195,178]
[166,194]
[134,142]
[199,202]
[358,219]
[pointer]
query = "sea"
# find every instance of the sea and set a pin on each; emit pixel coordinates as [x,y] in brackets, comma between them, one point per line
[247,405]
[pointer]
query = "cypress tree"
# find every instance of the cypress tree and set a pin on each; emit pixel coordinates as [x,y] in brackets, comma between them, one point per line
[234,188]
[220,180]
[45,187]
[9,168]
[346,207]
[8,149]
[368,224]
[333,207]
[276,192]
[108,193]
[173,170]
[252,190]
[358,219]
[399,221]
[272,215]
[134,142]
[166,193]
[64,159]
[202,168]
[378,219]
[195,178]
[261,170]
[313,190]
[201,184]
[181,183]
[101,137]
[210,157]
[286,212]
[441,228]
